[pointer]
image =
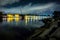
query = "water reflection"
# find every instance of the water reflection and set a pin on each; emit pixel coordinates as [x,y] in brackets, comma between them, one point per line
[21,23]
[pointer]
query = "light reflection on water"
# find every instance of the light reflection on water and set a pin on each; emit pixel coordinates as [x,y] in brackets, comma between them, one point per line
[22,23]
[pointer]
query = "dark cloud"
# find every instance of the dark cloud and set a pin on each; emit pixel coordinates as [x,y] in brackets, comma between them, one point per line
[16,3]
[4,2]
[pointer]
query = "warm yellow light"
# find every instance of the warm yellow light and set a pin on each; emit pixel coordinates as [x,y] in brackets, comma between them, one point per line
[17,17]
[10,17]
[27,19]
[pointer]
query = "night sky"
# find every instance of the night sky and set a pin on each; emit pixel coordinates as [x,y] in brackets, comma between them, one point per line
[25,2]
[29,6]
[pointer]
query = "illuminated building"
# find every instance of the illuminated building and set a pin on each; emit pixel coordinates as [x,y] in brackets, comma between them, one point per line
[18,17]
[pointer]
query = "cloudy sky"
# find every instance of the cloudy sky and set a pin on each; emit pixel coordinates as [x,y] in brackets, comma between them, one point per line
[29,6]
